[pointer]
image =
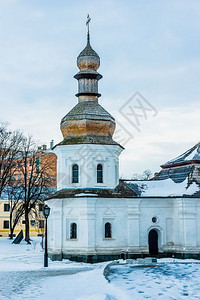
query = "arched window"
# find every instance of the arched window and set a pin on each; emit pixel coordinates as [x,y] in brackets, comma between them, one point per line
[99,173]
[73,231]
[108,230]
[75,174]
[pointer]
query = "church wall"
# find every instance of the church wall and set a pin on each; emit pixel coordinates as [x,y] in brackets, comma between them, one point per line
[155,213]
[76,210]
[55,230]
[133,224]
[177,224]
[188,216]
[198,223]
[114,212]
[169,231]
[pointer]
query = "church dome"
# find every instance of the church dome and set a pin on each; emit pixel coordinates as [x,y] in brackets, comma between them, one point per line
[88,58]
[88,118]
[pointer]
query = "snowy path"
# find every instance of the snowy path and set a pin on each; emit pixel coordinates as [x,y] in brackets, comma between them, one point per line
[23,284]
[22,276]
[90,285]
[78,283]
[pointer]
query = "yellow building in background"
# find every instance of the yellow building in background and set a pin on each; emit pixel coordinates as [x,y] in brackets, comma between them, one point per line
[37,221]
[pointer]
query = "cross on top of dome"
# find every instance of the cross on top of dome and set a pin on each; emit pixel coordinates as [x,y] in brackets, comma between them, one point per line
[88,58]
[88,23]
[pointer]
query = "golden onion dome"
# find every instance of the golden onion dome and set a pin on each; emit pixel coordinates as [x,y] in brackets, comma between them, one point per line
[88,58]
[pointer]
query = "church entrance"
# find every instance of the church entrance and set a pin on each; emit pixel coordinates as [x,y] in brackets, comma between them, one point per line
[153,242]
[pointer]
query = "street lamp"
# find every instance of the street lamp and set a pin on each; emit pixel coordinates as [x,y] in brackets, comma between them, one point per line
[46,212]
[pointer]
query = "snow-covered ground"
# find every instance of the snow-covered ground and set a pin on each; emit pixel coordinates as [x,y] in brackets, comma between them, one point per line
[22,276]
[164,281]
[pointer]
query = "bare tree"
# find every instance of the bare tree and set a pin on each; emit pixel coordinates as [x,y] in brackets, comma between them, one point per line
[26,175]
[10,143]
[35,179]
[146,175]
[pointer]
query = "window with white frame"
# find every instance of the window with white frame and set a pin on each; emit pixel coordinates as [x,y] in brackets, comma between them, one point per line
[75,173]
[108,230]
[73,231]
[99,173]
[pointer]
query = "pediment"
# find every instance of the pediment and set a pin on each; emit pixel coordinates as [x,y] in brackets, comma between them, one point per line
[109,212]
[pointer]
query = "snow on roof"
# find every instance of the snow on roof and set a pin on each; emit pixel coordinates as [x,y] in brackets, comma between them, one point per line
[85,195]
[162,188]
[189,155]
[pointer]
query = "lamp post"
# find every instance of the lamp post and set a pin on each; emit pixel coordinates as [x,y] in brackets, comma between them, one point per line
[46,212]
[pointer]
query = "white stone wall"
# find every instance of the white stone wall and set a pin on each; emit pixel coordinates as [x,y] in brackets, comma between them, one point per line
[87,157]
[177,224]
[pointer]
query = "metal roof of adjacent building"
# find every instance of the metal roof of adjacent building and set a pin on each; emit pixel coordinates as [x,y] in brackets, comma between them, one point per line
[191,155]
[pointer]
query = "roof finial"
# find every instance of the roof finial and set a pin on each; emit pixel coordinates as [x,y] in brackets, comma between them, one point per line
[88,23]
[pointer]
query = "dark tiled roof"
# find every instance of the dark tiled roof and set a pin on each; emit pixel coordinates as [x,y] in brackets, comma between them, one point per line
[135,187]
[88,110]
[121,191]
[89,139]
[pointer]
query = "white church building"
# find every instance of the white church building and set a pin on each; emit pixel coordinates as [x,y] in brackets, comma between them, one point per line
[96,216]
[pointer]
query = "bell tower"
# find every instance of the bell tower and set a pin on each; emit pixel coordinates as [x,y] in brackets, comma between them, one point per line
[88,156]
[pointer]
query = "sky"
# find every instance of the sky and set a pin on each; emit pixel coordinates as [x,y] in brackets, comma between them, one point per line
[146,47]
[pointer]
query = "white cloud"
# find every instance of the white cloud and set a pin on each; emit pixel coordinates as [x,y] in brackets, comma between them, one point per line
[169,134]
